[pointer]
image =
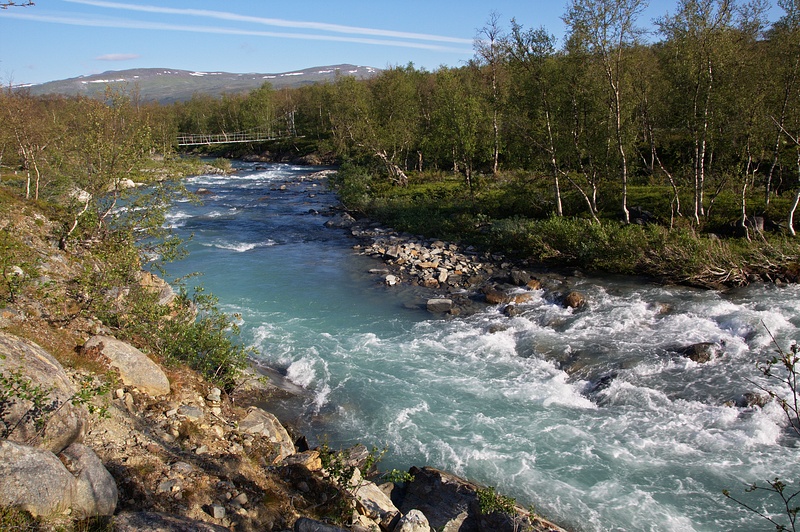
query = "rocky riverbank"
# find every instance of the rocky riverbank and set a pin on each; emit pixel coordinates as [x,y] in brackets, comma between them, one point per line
[173,452]
[454,280]
[96,433]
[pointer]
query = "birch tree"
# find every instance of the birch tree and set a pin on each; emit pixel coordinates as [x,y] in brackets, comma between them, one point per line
[533,51]
[489,48]
[694,34]
[608,28]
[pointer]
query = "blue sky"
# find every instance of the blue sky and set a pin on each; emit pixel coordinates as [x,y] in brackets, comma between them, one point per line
[57,39]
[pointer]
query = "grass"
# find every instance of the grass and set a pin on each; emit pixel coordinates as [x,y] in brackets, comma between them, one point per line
[513,214]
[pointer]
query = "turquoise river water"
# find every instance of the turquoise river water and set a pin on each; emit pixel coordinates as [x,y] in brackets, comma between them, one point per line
[652,450]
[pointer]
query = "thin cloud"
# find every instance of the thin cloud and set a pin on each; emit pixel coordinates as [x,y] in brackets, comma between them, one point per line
[321,26]
[117,57]
[142,25]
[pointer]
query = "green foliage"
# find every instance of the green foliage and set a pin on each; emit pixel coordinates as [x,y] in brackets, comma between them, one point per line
[490,501]
[16,519]
[205,342]
[17,265]
[16,388]
[222,164]
[341,468]
[398,477]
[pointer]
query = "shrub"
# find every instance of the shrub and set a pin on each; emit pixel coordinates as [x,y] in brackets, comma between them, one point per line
[205,342]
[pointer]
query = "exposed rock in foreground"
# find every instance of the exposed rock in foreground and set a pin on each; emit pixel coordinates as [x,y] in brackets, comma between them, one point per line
[187,457]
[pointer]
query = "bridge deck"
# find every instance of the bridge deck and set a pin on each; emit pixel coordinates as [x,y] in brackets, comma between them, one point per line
[224,138]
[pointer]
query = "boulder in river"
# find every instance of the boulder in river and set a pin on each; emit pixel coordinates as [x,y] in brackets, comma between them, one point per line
[439,305]
[340,221]
[575,300]
[701,352]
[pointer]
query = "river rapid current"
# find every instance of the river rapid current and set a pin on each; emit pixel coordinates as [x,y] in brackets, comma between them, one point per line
[484,396]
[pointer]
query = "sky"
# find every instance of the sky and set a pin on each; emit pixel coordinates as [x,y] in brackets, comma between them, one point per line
[59,39]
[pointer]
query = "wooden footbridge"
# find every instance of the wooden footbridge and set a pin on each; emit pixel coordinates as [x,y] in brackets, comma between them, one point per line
[254,135]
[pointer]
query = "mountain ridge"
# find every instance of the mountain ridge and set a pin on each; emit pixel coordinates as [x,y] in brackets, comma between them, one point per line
[169,85]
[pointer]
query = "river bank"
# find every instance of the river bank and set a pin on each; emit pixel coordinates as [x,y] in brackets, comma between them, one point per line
[508,401]
[174,452]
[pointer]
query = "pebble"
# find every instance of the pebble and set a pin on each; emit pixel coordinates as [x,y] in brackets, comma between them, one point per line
[217,511]
[215,395]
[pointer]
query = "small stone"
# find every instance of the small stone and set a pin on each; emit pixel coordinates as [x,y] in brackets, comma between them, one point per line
[182,468]
[129,405]
[168,486]
[120,393]
[203,449]
[240,499]
[215,395]
[217,511]
[193,413]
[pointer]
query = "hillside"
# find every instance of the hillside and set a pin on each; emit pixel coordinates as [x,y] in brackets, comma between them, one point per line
[166,85]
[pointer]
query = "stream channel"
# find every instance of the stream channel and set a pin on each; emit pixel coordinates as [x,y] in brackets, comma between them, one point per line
[484,396]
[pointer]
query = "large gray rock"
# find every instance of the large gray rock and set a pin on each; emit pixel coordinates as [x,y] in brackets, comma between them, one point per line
[33,479]
[413,521]
[36,480]
[451,505]
[157,522]
[449,502]
[64,423]
[439,305]
[94,489]
[372,502]
[135,369]
[258,421]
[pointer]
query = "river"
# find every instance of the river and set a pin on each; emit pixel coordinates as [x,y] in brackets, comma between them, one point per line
[483,396]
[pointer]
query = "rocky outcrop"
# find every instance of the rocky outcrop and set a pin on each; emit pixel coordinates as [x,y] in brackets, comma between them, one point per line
[157,285]
[461,280]
[261,422]
[55,424]
[135,369]
[413,521]
[38,482]
[450,503]
[373,503]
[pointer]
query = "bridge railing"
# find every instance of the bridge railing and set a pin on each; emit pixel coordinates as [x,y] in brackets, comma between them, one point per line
[223,138]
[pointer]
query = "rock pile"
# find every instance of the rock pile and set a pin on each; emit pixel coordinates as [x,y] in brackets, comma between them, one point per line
[460,279]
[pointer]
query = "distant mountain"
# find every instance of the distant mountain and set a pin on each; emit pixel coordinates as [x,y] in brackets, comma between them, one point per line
[169,85]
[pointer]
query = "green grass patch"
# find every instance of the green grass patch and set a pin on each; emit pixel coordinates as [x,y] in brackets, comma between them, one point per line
[513,214]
